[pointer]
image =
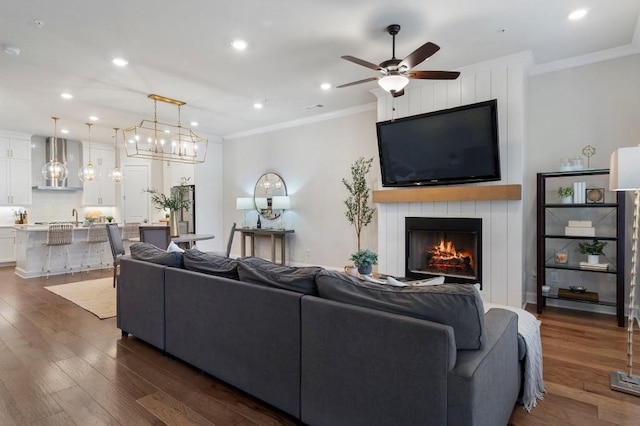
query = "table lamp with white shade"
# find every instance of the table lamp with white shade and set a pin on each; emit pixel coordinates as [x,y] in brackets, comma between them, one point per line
[281,202]
[625,176]
[246,204]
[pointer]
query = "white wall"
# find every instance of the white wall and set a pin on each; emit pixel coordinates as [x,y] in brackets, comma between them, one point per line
[596,104]
[208,179]
[312,159]
[502,221]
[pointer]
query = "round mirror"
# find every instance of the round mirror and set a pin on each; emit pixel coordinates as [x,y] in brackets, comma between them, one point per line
[268,186]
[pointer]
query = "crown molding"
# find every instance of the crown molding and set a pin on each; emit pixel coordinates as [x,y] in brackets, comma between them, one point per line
[299,122]
[590,58]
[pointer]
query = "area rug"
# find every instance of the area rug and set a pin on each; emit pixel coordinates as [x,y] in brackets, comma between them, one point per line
[96,296]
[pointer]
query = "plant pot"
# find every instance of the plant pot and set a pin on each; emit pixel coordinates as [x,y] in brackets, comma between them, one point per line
[567,200]
[365,269]
[174,231]
[593,259]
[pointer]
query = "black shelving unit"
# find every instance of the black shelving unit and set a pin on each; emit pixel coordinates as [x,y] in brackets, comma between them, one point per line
[546,237]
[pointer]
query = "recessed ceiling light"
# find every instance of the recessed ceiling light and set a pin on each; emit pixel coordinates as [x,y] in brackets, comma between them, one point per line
[65,131]
[194,123]
[325,86]
[258,105]
[121,62]
[239,44]
[578,14]
[93,118]
[66,95]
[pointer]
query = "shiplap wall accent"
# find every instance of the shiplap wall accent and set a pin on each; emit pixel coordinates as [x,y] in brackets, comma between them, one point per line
[502,221]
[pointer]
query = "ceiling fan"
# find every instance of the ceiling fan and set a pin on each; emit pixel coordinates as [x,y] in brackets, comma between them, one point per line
[397,72]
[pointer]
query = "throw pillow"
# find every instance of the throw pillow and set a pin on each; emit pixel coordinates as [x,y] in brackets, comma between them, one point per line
[173,247]
[150,253]
[260,271]
[209,263]
[456,305]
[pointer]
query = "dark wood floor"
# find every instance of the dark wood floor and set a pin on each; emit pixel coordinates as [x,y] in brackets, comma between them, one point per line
[60,365]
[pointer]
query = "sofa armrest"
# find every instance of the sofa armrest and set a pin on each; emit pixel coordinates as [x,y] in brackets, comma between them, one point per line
[362,366]
[140,300]
[483,387]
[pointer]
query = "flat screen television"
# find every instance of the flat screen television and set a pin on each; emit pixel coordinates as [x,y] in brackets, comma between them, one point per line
[451,146]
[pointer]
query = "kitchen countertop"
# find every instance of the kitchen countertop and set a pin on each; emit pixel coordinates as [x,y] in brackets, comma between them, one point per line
[34,228]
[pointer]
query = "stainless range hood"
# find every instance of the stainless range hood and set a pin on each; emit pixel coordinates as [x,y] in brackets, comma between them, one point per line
[68,152]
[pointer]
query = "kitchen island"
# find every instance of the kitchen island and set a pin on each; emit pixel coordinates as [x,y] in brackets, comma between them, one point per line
[31,253]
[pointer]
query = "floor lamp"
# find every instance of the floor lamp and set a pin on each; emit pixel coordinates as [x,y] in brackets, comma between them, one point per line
[625,176]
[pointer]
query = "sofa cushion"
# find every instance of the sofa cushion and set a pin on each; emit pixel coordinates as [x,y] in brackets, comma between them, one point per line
[150,253]
[209,263]
[456,305]
[260,271]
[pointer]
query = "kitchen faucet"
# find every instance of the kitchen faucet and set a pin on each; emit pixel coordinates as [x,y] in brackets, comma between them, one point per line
[74,212]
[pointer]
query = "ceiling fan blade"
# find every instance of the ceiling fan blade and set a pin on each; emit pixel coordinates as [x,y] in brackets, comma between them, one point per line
[396,94]
[420,54]
[434,75]
[353,83]
[361,62]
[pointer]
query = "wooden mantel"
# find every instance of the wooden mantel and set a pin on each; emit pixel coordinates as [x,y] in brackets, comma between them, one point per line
[449,193]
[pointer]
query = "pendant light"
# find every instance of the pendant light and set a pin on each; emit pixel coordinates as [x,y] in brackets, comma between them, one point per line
[87,173]
[115,174]
[54,171]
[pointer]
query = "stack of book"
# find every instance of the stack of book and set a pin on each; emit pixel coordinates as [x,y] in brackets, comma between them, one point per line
[579,191]
[594,266]
[580,228]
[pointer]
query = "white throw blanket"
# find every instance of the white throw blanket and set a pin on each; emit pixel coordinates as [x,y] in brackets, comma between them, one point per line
[529,329]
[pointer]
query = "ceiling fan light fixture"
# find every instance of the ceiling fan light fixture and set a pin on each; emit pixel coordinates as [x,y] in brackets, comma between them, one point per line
[393,82]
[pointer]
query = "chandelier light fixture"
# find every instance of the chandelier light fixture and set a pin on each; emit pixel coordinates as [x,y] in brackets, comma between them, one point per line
[116,174]
[87,173]
[54,171]
[156,140]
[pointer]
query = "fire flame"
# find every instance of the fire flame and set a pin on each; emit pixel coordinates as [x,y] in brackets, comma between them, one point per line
[446,252]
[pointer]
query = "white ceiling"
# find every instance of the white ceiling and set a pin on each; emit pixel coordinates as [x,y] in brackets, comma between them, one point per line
[181,49]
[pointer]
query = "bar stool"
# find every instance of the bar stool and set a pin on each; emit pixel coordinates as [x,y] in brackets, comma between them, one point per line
[59,237]
[96,237]
[130,233]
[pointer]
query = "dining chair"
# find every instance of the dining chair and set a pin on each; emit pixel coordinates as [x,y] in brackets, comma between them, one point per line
[229,242]
[156,235]
[117,247]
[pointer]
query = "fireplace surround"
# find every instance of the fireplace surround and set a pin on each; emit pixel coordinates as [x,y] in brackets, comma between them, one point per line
[446,246]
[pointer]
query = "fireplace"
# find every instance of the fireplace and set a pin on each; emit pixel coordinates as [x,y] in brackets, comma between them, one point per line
[450,247]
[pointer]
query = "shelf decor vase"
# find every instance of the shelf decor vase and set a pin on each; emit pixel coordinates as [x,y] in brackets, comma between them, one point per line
[593,259]
[567,200]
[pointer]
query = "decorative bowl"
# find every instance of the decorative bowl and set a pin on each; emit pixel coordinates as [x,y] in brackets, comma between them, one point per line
[577,288]
[546,288]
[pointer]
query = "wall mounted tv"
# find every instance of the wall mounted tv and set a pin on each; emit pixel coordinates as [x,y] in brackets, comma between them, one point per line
[451,146]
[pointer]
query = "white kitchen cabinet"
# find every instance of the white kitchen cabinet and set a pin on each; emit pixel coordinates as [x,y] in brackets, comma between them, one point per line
[15,169]
[7,245]
[102,190]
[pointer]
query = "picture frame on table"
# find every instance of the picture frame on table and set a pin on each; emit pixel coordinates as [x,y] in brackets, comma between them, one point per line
[594,195]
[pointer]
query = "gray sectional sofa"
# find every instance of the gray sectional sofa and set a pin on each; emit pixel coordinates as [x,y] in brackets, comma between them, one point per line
[325,347]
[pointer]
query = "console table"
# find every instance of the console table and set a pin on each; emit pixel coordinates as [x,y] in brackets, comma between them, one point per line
[275,234]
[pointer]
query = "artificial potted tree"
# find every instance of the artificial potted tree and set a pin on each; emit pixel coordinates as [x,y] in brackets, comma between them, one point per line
[593,250]
[172,203]
[359,213]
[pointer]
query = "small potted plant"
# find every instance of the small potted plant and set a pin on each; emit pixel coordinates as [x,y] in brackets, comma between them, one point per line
[364,259]
[109,218]
[593,250]
[566,195]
